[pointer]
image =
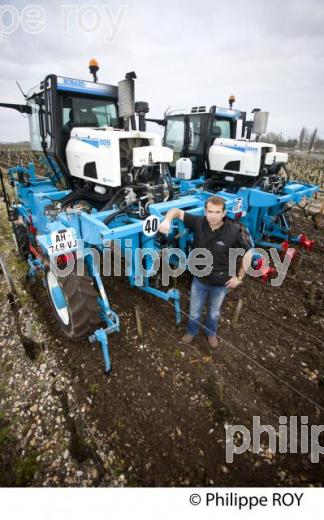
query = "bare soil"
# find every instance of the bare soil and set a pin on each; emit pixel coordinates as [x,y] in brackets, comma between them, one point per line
[163,409]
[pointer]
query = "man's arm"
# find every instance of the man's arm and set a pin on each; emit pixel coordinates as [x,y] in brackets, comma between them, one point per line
[245,264]
[170,215]
[233,282]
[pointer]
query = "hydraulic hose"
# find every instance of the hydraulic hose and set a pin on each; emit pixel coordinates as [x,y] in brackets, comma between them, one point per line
[84,195]
[112,200]
[111,217]
[167,177]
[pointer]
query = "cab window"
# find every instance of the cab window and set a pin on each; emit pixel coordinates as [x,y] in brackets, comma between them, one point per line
[221,128]
[174,134]
[89,112]
[194,132]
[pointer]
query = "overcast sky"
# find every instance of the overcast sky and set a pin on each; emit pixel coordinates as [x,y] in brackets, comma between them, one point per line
[268,53]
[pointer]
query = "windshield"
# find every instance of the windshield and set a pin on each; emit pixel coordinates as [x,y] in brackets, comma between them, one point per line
[79,111]
[175,131]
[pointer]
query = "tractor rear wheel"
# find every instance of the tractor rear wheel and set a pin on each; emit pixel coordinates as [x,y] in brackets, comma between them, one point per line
[21,239]
[74,301]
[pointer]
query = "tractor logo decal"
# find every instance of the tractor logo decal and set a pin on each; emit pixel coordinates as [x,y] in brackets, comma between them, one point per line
[243,149]
[95,142]
[74,82]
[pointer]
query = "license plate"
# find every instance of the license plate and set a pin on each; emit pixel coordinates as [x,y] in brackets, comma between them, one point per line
[62,241]
[238,205]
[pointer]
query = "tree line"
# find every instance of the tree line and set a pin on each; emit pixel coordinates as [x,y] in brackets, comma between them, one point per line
[307,140]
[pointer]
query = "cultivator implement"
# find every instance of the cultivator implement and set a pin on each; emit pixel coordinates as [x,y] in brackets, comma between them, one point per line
[107,187]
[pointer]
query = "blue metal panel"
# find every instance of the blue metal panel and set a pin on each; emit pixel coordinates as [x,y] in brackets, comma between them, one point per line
[87,87]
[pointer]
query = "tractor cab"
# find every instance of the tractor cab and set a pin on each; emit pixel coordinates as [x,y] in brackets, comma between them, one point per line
[190,133]
[59,104]
[215,144]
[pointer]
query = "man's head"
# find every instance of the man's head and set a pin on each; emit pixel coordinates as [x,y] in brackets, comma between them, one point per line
[215,211]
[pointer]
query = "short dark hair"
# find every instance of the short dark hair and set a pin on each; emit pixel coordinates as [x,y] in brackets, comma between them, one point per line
[216,201]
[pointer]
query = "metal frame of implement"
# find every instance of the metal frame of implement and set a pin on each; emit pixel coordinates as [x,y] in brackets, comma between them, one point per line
[263,215]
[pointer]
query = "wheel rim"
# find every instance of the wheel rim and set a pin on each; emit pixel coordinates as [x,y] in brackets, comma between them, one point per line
[58,298]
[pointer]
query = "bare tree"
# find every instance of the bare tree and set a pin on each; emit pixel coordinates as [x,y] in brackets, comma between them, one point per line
[302,137]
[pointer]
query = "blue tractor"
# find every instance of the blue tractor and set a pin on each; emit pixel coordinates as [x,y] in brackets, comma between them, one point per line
[108,184]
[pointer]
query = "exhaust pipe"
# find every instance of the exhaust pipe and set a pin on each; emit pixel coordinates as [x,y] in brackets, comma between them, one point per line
[141,108]
[126,99]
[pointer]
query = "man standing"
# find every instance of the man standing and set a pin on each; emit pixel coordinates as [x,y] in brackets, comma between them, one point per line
[217,234]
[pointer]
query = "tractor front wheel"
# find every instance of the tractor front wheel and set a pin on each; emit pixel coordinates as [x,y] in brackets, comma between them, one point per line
[74,301]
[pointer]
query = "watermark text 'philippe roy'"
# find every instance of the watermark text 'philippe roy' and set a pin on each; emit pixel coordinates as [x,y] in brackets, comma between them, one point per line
[171,262]
[290,437]
[73,18]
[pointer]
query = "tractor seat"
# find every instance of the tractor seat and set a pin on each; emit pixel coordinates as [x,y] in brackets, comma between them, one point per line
[84,117]
[216,132]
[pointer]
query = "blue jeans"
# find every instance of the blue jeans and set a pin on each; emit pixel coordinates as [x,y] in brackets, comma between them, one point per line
[198,296]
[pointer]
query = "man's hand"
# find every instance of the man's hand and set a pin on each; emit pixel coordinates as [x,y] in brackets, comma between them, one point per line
[233,282]
[165,226]
[171,214]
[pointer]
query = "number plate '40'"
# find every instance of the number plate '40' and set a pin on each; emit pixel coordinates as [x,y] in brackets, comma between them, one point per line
[151,226]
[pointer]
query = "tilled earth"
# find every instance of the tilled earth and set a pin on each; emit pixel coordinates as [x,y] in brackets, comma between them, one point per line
[159,418]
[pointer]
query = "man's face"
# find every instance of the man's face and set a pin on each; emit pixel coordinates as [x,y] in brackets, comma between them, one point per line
[214,214]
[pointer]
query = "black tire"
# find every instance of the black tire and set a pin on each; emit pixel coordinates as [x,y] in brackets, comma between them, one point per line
[81,305]
[21,239]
